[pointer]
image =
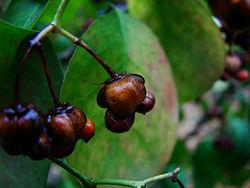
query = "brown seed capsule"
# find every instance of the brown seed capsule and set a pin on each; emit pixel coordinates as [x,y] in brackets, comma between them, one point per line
[8,125]
[30,124]
[61,150]
[101,99]
[118,124]
[41,148]
[88,131]
[79,119]
[125,94]
[147,104]
[65,123]
[23,121]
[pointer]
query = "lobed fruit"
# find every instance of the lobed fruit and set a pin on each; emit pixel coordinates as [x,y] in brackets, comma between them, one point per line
[65,123]
[118,124]
[88,131]
[23,130]
[123,95]
[147,104]
[19,125]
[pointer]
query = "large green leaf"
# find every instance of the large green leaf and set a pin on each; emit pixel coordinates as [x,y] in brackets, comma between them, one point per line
[190,39]
[21,171]
[127,45]
[24,13]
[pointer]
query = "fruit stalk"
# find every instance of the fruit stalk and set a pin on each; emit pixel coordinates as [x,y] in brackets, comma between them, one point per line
[98,59]
[46,71]
[59,13]
[89,182]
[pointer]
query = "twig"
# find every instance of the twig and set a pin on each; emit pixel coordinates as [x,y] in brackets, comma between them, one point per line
[82,44]
[47,73]
[89,182]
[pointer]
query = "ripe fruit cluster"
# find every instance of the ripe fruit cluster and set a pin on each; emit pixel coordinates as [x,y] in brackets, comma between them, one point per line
[234,67]
[123,96]
[26,130]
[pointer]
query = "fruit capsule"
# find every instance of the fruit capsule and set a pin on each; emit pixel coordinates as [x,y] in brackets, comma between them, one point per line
[88,131]
[147,104]
[61,150]
[118,124]
[101,99]
[41,148]
[22,121]
[65,123]
[125,94]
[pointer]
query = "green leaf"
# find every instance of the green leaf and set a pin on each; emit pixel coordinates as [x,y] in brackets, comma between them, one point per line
[190,39]
[76,13]
[24,13]
[127,45]
[21,171]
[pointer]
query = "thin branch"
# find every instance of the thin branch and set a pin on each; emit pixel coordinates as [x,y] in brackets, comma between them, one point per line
[84,180]
[33,44]
[80,43]
[89,182]
[59,13]
[181,185]
[42,35]
[163,176]
[47,73]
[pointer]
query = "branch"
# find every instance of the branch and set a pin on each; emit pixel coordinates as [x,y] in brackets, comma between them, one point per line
[89,182]
[82,44]
[84,180]
[47,73]
[59,13]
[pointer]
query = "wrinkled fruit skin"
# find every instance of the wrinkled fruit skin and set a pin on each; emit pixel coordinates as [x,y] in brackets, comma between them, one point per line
[65,123]
[88,131]
[147,104]
[19,124]
[125,94]
[118,124]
